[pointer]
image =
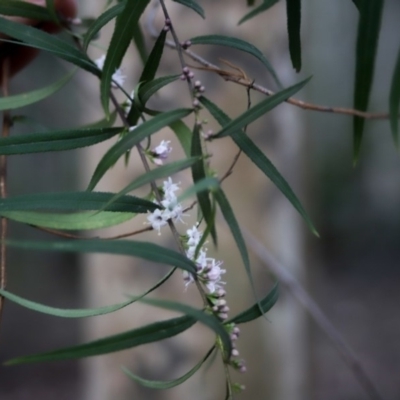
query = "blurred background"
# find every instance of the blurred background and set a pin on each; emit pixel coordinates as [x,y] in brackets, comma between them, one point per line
[351,271]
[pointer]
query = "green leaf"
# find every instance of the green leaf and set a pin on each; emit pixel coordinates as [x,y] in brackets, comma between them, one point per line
[80,313]
[74,221]
[394,101]
[259,110]
[250,3]
[157,173]
[72,201]
[25,10]
[293,10]
[193,5]
[259,159]
[147,251]
[200,315]
[138,39]
[239,45]
[100,22]
[367,40]
[25,99]
[133,338]
[265,5]
[61,312]
[254,312]
[41,40]
[198,174]
[148,89]
[206,184]
[168,384]
[56,140]
[230,219]
[151,67]
[120,40]
[133,138]
[184,135]
[52,10]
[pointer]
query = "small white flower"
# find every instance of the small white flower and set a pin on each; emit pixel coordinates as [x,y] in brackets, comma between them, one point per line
[194,236]
[118,76]
[157,219]
[160,152]
[169,189]
[188,278]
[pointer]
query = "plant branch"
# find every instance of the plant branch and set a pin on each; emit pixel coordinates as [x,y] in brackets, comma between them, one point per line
[288,281]
[241,79]
[3,182]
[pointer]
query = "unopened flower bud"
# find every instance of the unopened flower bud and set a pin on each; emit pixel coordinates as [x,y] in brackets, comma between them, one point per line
[223,316]
[191,75]
[235,353]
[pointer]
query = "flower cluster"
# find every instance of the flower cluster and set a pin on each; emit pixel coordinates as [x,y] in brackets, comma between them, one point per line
[118,77]
[171,208]
[209,270]
[160,153]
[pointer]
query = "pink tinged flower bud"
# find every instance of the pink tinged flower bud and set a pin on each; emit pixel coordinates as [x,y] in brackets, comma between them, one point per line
[182,77]
[242,369]
[235,353]
[236,330]
[224,309]
[186,70]
[223,316]
[220,292]
[196,103]
[191,75]
[233,337]
[221,302]
[215,308]
[197,84]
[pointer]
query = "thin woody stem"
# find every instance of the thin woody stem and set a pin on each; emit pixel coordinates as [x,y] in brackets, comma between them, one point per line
[241,79]
[3,182]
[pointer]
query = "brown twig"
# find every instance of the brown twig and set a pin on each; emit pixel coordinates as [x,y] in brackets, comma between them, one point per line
[244,81]
[3,182]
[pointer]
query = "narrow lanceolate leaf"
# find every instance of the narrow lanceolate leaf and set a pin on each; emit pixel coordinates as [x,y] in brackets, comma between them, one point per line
[265,5]
[200,315]
[147,251]
[120,40]
[25,99]
[26,10]
[168,384]
[41,40]
[293,10]
[138,39]
[239,45]
[183,134]
[73,201]
[230,219]
[259,110]
[254,312]
[133,138]
[100,22]
[367,40]
[206,184]
[56,140]
[127,340]
[151,67]
[259,159]
[148,89]
[80,313]
[394,101]
[157,173]
[52,10]
[62,312]
[73,221]
[193,5]
[357,3]
[198,174]
[104,122]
